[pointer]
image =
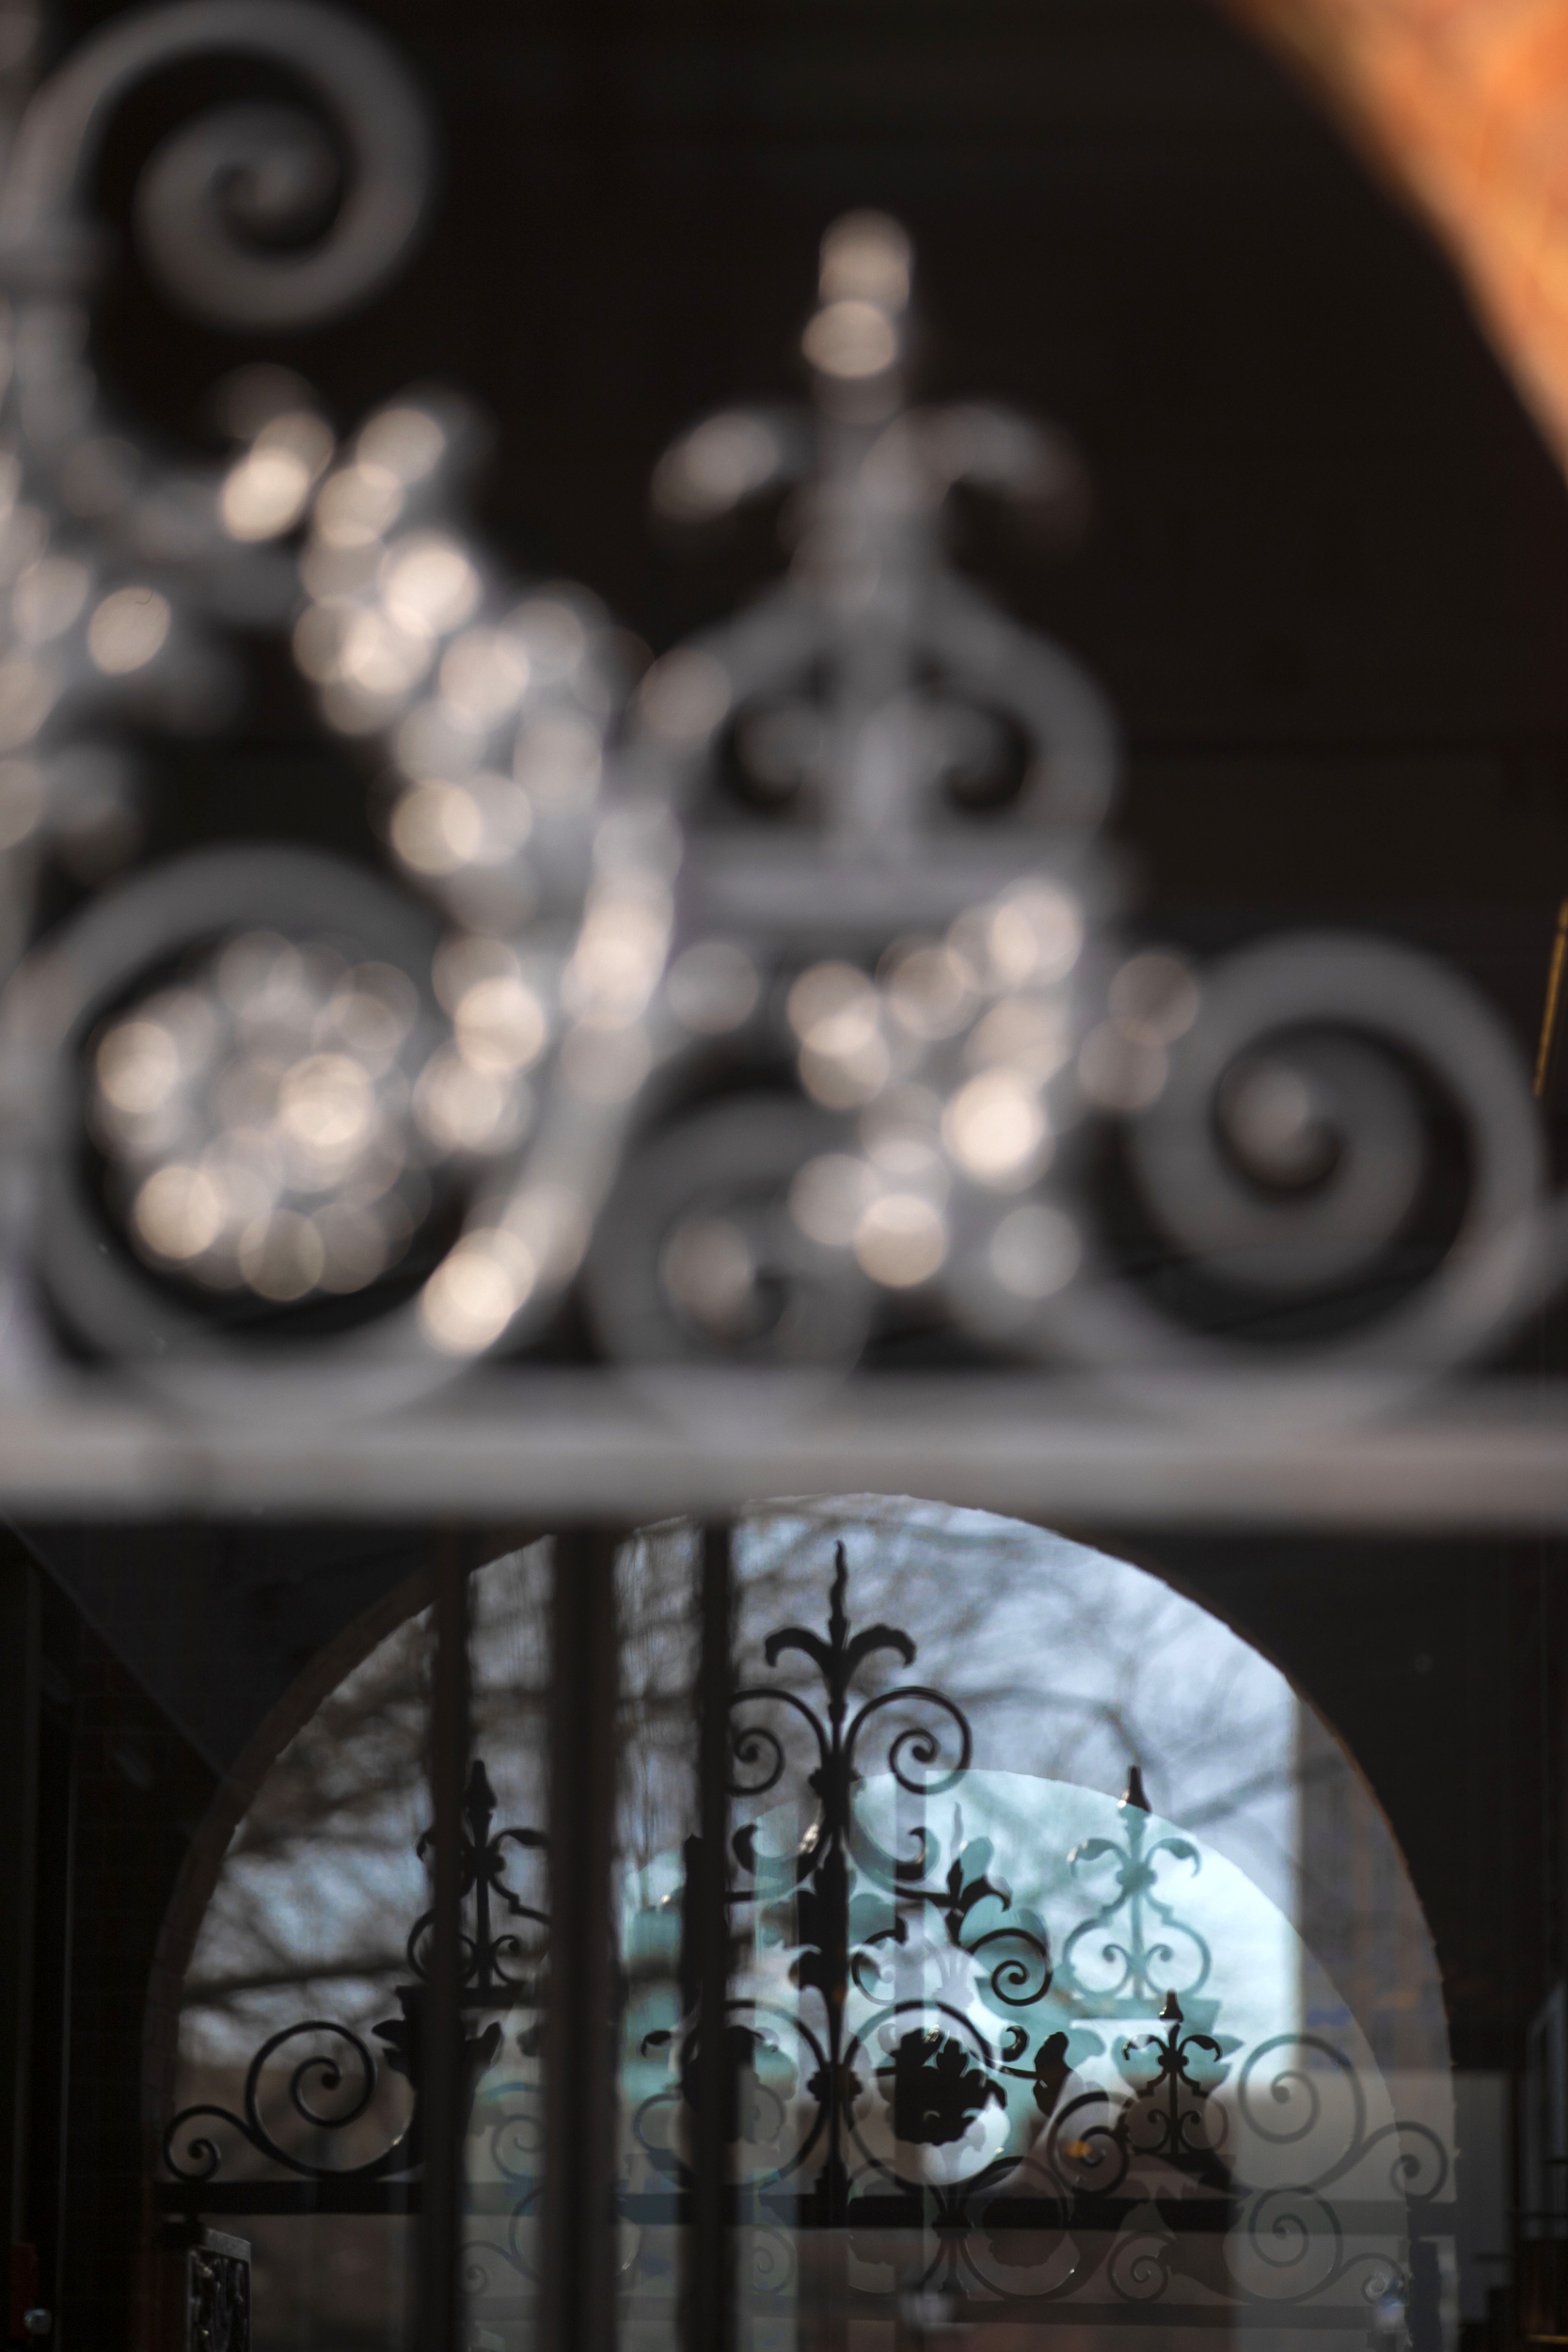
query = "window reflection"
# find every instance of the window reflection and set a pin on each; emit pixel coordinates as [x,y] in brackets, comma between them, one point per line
[1071,1971]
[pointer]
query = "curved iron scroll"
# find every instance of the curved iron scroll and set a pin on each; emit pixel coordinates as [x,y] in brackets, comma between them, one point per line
[850,1904]
[330,2090]
[1132,2193]
[860,2107]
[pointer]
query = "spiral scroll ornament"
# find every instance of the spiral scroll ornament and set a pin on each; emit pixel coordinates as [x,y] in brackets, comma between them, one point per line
[311,2087]
[1135,1950]
[779,1012]
[115,562]
[443,1171]
[906,2057]
[884,2073]
[899,918]
[236,171]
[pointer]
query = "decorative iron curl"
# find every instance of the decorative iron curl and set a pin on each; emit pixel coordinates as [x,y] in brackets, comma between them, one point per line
[1406,2172]
[204,2156]
[187,215]
[517,2135]
[1383,2277]
[1273,998]
[1293,2082]
[919,1740]
[1020,1977]
[330,2071]
[773,2261]
[479,2275]
[477,2254]
[1077,2150]
[666,2159]
[1380,2275]
[527,2209]
[804,1313]
[751,1741]
[1138,2269]
[1278,2233]
[1303,1015]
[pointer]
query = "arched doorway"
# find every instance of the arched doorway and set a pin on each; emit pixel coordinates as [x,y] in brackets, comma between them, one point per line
[1027,1948]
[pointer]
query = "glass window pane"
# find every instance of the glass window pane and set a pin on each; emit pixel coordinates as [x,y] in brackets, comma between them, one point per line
[1074,1976]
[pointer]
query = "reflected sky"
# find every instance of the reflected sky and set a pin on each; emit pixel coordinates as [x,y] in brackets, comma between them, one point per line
[1069,1665]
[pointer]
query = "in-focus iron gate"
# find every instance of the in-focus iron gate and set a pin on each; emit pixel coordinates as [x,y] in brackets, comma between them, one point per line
[891,2075]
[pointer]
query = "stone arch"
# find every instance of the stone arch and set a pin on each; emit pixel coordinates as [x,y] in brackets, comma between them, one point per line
[236,1793]
[1461,104]
[343,1656]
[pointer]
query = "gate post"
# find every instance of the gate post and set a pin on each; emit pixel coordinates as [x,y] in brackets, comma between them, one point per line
[578,2295]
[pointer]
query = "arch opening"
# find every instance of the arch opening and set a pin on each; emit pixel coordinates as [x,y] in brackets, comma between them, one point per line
[1045,1982]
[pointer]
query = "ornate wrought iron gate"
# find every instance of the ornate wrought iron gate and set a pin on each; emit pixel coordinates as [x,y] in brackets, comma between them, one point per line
[773,1015]
[881,2055]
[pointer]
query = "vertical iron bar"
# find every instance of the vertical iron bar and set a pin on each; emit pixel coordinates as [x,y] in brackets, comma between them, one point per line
[19,1656]
[909,1983]
[1546,1678]
[711,2246]
[442,2086]
[577,2293]
[64,2148]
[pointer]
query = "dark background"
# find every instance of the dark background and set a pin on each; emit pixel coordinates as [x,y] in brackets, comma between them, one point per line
[1326,584]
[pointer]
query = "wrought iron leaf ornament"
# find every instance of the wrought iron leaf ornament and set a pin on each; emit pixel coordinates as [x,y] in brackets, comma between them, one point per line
[1146,1950]
[841,1903]
[773,1012]
[332,2089]
[482,1873]
[895,2060]
[416,1071]
[901,2119]
[1178,2120]
[935,2092]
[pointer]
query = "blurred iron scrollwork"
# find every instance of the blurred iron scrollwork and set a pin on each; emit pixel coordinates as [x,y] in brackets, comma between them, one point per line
[774,1007]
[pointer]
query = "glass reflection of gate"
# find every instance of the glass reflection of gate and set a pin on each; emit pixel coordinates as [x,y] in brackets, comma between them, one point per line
[333,2075]
[926,2103]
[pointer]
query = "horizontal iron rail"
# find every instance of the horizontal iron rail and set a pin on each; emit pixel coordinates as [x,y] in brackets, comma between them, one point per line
[567,1446]
[971,2312]
[500,2310]
[1029,2217]
[288,2197]
[1023,2216]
